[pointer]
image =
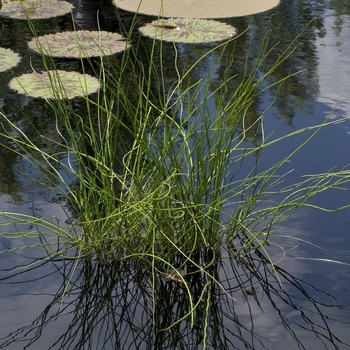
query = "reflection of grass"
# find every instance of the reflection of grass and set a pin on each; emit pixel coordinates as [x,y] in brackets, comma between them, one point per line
[124,305]
[149,168]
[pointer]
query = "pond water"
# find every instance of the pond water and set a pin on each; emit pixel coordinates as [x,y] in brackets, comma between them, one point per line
[302,303]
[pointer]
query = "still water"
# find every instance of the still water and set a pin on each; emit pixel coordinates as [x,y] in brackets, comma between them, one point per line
[303,303]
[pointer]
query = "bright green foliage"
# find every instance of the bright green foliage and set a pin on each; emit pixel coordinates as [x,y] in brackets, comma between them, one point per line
[149,170]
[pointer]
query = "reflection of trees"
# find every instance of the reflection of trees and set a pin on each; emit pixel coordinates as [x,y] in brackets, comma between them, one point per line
[288,21]
[16,172]
[341,9]
[95,15]
[300,19]
[291,20]
[36,120]
[124,306]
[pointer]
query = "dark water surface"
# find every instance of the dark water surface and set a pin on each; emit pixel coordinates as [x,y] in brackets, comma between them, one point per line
[303,303]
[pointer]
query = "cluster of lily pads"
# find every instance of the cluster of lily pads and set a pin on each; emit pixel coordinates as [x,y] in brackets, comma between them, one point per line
[82,44]
[75,44]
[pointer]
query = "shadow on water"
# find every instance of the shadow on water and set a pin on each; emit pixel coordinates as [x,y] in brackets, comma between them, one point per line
[125,305]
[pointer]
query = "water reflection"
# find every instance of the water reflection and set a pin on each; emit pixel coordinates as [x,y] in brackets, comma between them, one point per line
[125,306]
[283,25]
[86,305]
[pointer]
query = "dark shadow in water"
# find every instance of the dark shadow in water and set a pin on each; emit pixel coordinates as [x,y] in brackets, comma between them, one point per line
[123,306]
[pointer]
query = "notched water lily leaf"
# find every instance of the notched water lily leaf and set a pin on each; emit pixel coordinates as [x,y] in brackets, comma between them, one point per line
[55,84]
[35,9]
[77,44]
[188,30]
[8,59]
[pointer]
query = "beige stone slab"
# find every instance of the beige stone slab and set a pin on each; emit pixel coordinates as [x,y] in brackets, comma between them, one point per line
[197,8]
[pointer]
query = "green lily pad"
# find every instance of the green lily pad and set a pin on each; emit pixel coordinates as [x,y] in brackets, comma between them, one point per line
[188,30]
[8,59]
[197,8]
[55,84]
[35,9]
[79,44]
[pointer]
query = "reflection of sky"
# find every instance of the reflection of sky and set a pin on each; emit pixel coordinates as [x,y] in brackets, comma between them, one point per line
[21,303]
[309,227]
[293,248]
[334,64]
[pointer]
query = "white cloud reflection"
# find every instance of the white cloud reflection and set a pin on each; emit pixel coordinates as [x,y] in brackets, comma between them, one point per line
[334,65]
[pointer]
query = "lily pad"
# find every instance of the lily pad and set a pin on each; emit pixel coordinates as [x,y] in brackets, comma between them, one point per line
[8,59]
[79,44]
[35,9]
[197,8]
[55,84]
[188,30]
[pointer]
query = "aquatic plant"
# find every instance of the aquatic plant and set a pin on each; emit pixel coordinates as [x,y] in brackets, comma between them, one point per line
[77,44]
[151,177]
[35,9]
[191,8]
[55,84]
[152,170]
[188,30]
[9,59]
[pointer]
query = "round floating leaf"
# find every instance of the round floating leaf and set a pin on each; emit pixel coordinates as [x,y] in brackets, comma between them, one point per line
[55,84]
[35,9]
[188,30]
[197,8]
[8,59]
[79,44]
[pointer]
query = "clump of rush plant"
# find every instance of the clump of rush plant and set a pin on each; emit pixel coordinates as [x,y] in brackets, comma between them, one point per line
[147,168]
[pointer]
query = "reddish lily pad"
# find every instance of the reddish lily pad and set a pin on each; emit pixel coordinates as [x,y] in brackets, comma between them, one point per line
[77,44]
[55,84]
[35,9]
[8,59]
[188,30]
